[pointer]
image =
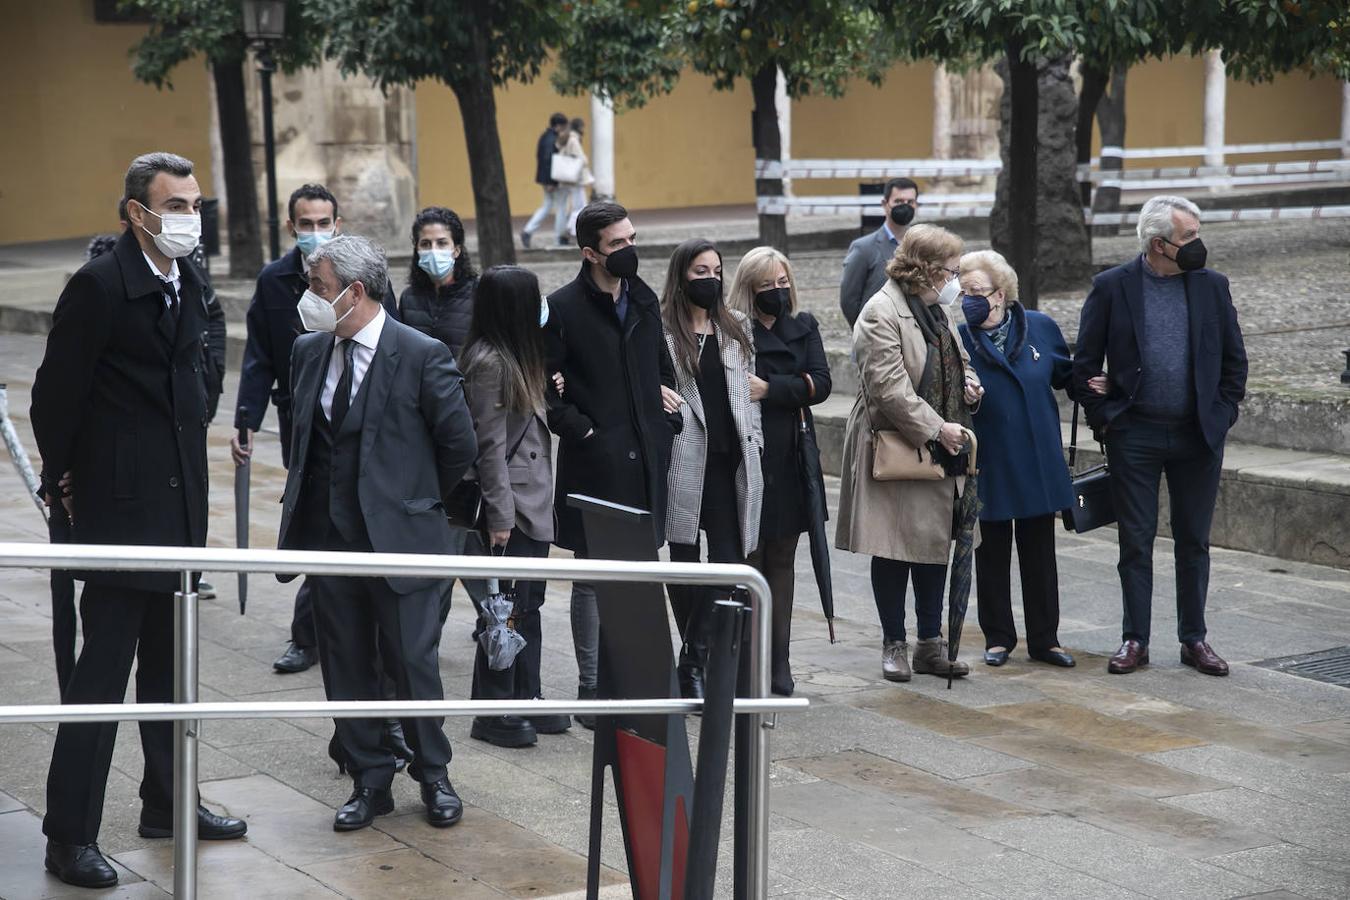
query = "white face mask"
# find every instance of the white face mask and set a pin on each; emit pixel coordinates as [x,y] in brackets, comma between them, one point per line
[950,292]
[317,314]
[179,233]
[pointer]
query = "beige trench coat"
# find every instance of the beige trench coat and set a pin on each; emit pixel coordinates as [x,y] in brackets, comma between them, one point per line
[905,520]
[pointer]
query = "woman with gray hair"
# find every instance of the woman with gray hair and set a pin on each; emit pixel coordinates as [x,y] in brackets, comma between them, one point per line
[1022,359]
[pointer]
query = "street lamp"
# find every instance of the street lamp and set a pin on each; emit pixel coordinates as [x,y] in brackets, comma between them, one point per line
[264,27]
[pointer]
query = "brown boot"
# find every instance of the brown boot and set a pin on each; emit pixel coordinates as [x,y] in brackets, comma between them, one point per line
[930,658]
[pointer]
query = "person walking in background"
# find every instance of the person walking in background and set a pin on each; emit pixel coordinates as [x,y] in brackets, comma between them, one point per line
[505,379]
[439,302]
[865,265]
[714,484]
[555,197]
[618,412]
[914,379]
[120,420]
[577,191]
[1167,331]
[791,375]
[1021,358]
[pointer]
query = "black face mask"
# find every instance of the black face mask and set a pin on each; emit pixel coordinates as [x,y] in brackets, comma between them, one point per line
[902,214]
[774,302]
[1191,255]
[704,292]
[622,263]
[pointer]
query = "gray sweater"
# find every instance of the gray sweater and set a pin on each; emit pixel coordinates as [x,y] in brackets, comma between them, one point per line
[1167,383]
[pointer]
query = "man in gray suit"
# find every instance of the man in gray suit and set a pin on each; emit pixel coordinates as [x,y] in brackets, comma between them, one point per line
[381,433]
[865,265]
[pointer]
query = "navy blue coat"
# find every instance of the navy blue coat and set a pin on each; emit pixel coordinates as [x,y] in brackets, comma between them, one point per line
[1109,328]
[273,326]
[543,158]
[1021,458]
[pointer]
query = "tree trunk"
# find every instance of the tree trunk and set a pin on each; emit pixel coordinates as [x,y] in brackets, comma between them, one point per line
[487,171]
[1019,174]
[1111,124]
[241,185]
[768,146]
[1094,85]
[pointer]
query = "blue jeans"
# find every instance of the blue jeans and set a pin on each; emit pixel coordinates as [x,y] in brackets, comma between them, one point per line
[555,202]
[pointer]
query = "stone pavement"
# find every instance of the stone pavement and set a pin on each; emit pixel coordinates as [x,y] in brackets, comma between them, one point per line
[1024,781]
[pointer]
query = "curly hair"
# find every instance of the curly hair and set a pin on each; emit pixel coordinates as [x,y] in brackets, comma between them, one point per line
[922,249]
[439,215]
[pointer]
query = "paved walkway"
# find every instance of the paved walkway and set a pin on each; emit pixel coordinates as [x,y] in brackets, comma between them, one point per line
[1024,781]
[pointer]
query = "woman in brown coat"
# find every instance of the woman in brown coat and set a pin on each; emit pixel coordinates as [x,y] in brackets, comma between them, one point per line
[915,380]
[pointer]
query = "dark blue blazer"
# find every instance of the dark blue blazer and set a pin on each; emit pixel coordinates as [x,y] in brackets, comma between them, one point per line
[273,326]
[1022,470]
[1109,328]
[543,158]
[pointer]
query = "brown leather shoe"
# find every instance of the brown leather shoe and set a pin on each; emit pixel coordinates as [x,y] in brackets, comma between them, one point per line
[1129,657]
[1200,656]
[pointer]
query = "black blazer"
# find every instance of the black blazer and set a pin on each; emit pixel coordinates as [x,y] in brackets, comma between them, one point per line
[417,441]
[118,402]
[613,376]
[543,158]
[1109,329]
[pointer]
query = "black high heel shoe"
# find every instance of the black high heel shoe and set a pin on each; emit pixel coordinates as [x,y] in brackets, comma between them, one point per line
[337,754]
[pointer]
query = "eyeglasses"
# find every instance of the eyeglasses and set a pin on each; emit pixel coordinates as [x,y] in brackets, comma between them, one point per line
[955,273]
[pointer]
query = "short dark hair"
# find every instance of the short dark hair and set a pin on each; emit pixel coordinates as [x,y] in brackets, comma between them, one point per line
[578,124]
[557,119]
[898,184]
[595,218]
[310,192]
[439,215]
[143,170]
[99,244]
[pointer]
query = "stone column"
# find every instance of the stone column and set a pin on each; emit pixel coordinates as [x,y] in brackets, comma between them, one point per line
[942,113]
[345,134]
[965,124]
[1345,119]
[1216,90]
[783,105]
[602,147]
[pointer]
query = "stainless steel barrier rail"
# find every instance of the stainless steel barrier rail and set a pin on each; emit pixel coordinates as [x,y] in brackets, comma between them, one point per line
[185,711]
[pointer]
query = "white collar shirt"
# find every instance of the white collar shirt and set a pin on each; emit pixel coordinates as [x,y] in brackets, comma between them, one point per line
[172,278]
[366,340]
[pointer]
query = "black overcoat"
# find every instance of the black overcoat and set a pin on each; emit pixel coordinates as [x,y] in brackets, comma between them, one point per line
[118,402]
[613,376]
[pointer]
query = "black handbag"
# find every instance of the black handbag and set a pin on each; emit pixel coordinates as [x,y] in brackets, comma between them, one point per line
[1092,506]
[464,507]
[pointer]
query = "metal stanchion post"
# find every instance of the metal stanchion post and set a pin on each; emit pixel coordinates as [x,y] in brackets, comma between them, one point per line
[185,742]
[758,763]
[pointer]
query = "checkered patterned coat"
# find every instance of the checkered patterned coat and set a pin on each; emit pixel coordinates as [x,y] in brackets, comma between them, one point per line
[684,479]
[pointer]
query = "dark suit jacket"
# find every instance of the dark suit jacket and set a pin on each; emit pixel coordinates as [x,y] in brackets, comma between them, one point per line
[417,441]
[865,270]
[543,158]
[273,326]
[1109,329]
[118,402]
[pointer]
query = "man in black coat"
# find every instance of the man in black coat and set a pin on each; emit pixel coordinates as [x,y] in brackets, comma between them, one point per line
[1177,368]
[381,435]
[555,199]
[618,413]
[273,325]
[120,417]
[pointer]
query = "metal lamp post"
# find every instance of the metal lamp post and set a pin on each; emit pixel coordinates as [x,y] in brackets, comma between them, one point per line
[264,27]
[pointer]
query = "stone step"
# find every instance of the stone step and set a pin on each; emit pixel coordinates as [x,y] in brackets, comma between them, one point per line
[1292,504]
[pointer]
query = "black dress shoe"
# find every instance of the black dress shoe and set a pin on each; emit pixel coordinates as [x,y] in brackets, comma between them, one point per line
[503,731]
[158,823]
[362,807]
[296,659]
[1053,657]
[550,724]
[586,693]
[444,808]
[995,657]
[79,864]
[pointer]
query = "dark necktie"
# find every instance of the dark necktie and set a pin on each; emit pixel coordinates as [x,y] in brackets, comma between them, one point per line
[343,397]
[172,296]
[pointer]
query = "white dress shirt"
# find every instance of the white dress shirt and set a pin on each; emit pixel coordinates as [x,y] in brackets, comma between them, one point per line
[172,278]
[367,339]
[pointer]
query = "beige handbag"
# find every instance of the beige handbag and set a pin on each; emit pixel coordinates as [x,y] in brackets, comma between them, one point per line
[893,459]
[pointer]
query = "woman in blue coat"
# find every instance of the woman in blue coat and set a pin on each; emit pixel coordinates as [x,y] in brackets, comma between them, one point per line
[1021,358]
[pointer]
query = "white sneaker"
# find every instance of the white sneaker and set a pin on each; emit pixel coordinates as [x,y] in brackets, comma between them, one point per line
[895,661]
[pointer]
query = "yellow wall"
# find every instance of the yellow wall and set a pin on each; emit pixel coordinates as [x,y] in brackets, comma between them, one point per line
[1291,108]
[74,117]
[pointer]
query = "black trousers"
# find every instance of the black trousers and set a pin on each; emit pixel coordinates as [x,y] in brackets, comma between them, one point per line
[63,601]
[1040,581]
[1140,454]
[521,681]
[719,521]
[121,625]
[353,616]
[776,558]
[890,578]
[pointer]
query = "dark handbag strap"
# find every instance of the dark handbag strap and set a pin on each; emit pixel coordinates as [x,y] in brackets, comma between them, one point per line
[1073,438]
[510,454]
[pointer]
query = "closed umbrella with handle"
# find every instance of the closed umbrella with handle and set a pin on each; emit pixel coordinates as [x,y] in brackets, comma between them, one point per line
[241,485]
[965,515]
[813,489]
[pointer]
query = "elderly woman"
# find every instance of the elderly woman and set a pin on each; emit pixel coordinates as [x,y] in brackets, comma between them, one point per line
[913,373]
[1022,360]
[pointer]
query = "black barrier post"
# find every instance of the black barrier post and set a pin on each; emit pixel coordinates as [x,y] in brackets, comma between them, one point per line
[714,746]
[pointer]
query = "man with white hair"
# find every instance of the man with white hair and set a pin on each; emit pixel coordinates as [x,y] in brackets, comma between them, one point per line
[1165,327]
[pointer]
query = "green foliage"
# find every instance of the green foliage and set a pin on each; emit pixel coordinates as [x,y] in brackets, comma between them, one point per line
[182,29]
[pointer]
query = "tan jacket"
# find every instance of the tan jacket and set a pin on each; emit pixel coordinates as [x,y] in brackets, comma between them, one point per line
[905,520]
[684,479]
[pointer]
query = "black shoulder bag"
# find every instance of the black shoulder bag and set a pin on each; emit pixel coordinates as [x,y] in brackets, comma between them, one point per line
[464,507]
[1092,506]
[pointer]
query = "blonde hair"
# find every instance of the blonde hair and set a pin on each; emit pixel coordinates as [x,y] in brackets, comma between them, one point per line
[922,249]
[992,263]
[753,268]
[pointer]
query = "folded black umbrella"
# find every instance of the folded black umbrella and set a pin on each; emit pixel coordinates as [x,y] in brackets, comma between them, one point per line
[964,517]
[813,484]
